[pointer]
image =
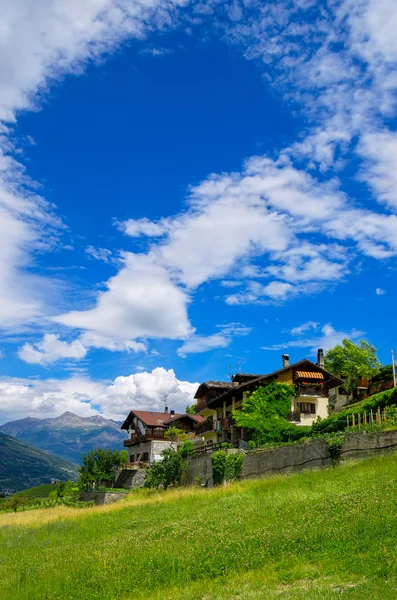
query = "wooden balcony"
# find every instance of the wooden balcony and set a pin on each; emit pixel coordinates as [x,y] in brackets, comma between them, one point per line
[137,438]
[316,391]
[206,426]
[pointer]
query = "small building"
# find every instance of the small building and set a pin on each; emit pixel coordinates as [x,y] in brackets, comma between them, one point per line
[146,430]
[216,400]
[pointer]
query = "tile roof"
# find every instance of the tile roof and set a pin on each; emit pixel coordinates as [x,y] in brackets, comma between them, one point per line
[154,419]
[196,418]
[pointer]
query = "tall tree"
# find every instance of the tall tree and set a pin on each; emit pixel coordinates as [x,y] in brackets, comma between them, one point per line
[352,362]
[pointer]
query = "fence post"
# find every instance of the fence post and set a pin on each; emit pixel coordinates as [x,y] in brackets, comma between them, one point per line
[359,421]
[378,416]
[371,417]
[365,418]
[353,421]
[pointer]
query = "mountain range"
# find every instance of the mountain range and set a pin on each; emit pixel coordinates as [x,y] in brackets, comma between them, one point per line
[22,466]
[68,436]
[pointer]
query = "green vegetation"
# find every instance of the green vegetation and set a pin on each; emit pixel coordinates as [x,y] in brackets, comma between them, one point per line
[265,411]
[99,465]
[174,434]
[167,471]
[191,410]
[22,466]
[317,535]
[338,421]
[226,467]
[352,362]
[43,496]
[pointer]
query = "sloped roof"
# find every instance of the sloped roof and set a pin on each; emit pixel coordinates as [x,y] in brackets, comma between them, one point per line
[213,385]
[258,378]
[195,418]
[150,418]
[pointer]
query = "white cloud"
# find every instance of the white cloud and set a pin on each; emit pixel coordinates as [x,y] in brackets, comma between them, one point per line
[140,301]
[51,349]
[85,397]
[380,292]
[145,227]
[102,254]
[201,343]
[39,43]
[304,327]
[328,338]
[380,172]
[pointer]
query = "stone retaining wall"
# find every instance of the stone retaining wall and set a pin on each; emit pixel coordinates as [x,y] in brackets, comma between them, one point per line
[297,457]
[102,497]
[362,445]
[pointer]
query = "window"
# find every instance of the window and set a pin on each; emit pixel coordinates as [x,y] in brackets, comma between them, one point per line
[132,458]
[307,408]
[145,457]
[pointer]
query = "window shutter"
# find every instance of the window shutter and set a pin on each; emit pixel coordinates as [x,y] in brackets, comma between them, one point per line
[313,409]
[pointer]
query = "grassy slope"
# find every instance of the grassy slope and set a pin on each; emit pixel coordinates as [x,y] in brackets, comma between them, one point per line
[22,466]
[309,536]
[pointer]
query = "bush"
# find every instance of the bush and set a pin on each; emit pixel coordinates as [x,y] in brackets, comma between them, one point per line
[187,449]
[337,421]
[166,472]
[226,467]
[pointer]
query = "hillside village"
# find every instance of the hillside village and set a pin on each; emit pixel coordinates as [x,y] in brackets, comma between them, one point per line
[212,426]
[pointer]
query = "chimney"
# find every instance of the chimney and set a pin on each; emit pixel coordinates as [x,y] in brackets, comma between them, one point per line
[172,413]
[166,410]
[285,359]
[320,358]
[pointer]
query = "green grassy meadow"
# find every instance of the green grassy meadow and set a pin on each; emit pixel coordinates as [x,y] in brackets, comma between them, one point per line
[315,535]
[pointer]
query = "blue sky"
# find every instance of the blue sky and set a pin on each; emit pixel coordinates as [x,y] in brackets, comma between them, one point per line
[188,189]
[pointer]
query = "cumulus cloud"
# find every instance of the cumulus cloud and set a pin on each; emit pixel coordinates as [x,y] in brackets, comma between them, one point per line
[83,396]
[51,349]
[380,292]
[304,327]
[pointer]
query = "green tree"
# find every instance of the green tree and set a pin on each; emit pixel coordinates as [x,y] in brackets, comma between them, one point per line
[383,379]
[166,472]
[191,410]
[123,457]
[351,362]
[98,467]
[174,434]
[265,411]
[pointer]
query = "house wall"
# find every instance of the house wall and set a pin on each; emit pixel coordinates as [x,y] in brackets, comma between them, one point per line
[321,408]
[153,447]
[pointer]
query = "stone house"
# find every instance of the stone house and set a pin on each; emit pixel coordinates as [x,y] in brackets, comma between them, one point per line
[146,431]
[216,400]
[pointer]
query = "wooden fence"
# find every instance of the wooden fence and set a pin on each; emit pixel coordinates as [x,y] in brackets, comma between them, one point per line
[379,419]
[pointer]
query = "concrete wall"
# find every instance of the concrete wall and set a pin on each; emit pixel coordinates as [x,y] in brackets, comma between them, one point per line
[199,470]
[102,497]
[287,459]
[362,445]
[297,457]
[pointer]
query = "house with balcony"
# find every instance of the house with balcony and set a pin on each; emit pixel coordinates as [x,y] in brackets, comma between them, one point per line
[146,431]
[216,400]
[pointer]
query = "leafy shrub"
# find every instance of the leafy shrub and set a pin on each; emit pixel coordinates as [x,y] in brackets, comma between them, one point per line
[226,467]
[337,422]
[187,449]
[334,445]
[166,472]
